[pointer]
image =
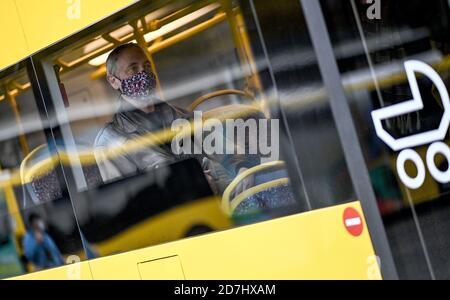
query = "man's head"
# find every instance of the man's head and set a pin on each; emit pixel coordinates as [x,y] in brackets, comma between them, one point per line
[36,222]
[129,71]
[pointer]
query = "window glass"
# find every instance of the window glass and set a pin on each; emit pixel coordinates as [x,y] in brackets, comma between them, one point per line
[174,121]
[38,226]
[375,48]
[303,104]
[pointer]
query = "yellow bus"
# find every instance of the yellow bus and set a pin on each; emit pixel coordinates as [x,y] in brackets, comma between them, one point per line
[326,199]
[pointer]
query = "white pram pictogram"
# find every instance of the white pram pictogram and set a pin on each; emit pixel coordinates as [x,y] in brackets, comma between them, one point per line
[434,136]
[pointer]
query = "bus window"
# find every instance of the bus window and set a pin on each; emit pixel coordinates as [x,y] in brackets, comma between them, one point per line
[413,36]
[171,124]
[316,150]
[37,222]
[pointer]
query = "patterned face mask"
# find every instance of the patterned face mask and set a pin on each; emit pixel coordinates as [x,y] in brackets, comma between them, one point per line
[140,87]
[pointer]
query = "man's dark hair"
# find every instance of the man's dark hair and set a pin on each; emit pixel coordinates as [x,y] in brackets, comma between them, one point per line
[33,217]
[114,56]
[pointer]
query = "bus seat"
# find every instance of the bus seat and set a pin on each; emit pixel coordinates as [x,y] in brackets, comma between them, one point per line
[41,184]
[197,102]
[234,111]
[271,191]
[39,178]
[247,111]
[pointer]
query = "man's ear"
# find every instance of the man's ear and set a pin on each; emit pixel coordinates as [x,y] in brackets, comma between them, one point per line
[113,81]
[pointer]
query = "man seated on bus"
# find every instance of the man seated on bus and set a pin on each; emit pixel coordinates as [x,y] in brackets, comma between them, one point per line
[141,113]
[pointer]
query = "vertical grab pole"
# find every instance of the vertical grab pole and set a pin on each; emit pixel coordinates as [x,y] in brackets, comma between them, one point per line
[11,98]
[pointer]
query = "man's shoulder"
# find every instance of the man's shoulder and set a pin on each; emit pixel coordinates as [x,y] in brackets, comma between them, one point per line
[107,136]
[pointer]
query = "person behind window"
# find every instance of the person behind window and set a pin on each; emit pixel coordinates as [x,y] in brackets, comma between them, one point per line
[140,113]
[39,247]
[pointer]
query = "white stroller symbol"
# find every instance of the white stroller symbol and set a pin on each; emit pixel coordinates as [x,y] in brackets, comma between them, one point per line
[427,137]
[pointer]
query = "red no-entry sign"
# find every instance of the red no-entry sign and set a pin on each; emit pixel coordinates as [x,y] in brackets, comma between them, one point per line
[353,221]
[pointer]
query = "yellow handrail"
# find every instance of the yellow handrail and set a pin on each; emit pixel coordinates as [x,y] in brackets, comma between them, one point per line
[214,94]
[232,186]
[87,157]
[254,190]
[25,162]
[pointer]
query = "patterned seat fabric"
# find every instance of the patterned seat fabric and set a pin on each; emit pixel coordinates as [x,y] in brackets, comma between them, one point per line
[258,205]
[47,187]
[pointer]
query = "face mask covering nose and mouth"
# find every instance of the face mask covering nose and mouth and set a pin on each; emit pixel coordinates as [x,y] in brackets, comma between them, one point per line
[41,225]
[140,87]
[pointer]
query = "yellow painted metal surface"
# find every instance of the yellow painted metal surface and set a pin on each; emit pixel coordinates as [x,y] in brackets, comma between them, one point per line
[76,271]
[41,18]
[167,268]
[313,245]
[14,47]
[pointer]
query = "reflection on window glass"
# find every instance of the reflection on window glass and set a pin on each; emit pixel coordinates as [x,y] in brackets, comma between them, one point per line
[171,125]
[372,53]
[37,224]
[304,104]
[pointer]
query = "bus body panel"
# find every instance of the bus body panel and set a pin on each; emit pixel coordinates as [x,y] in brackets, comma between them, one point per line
[74,271]
[312,245]
[33,25]
[12,35]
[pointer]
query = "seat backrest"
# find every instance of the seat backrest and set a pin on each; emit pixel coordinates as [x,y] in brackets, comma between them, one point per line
[197,102]
[268,176]
[234,111]
[42,184]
